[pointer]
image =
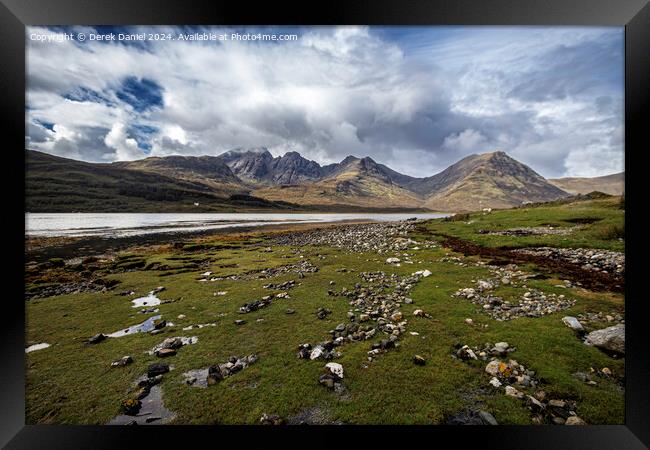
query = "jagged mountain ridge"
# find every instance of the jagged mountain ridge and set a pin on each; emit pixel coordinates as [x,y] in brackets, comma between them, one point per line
[487,180]
[259,166]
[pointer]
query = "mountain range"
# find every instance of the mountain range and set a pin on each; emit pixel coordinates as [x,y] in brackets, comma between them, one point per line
[243,179]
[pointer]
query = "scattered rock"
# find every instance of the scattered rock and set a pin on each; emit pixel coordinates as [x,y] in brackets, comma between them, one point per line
[271,419]
[96,339]
[419,360]
[589,259]
[234,364]
[493,367]
[335,368]
[575,420]
[513,392]
[322,313]
[164,352]
[501,348]
[466,353]
[494,381]
[573,323]
[533,303]
[530,231]
[487,418]
[172,343]
[157,369]
[611,339]
[124,361]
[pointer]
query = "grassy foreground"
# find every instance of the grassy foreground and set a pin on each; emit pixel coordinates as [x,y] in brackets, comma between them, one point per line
[71,382]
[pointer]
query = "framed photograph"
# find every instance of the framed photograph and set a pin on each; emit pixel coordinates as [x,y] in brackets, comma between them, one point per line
[365,214]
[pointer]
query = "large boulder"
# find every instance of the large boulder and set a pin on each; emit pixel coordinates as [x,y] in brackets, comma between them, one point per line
[610,339]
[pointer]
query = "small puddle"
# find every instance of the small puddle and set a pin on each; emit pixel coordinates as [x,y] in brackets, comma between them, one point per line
[35,347]
[197,378]
[152,412]
[144,327]
[149,300]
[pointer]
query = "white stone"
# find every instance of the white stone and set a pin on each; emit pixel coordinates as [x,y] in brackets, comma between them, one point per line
[501,346]
[35,347]
[512,392]
[335,368]
[572,323]
[495,382]
[492,368]
[316,352]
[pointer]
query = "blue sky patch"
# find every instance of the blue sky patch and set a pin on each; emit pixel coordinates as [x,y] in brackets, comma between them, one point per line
[142,94]
[44,124]
[142,134]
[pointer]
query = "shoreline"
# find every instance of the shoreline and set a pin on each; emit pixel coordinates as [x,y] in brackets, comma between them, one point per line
[42,248]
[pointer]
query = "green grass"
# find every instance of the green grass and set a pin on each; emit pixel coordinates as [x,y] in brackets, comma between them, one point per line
[605,232]
[71,382]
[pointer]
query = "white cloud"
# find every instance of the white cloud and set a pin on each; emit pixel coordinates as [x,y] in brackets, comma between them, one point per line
[126,148]
[418,102]
[466,142]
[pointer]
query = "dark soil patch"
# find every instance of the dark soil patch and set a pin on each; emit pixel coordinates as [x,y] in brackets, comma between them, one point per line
[596,281]
[583,220]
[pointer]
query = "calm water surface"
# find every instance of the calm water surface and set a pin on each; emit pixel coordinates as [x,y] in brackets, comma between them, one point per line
[134,224]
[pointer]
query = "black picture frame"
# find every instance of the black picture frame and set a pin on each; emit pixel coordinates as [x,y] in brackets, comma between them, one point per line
[634,15]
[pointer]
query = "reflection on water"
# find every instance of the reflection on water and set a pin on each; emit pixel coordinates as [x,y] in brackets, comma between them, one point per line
[149,300]
[143,327]
[133,224]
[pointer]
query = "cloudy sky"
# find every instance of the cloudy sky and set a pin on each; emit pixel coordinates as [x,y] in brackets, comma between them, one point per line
[414,98]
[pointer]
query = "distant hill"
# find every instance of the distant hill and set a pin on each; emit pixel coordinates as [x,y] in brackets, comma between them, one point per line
[609,184]
[205,170]
[493,180]
[254,178]
[55,184]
